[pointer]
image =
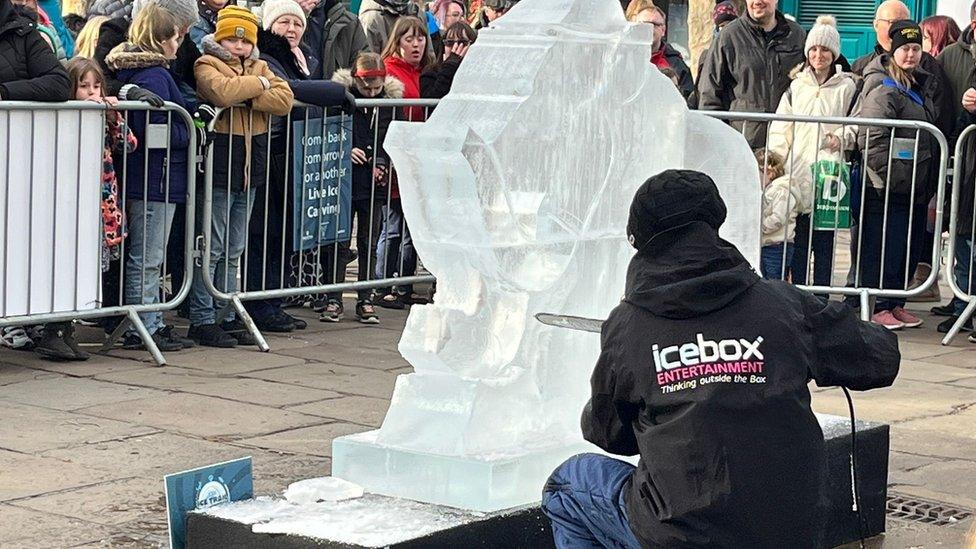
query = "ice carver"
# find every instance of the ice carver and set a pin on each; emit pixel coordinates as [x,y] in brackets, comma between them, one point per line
[703,373]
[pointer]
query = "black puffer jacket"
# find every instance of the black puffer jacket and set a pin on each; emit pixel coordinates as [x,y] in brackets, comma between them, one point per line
[335,36]
[958,60]
[881,98]
[276,52]
[703,372]
[369,127]
[436,80]
[748,70]
[29,70]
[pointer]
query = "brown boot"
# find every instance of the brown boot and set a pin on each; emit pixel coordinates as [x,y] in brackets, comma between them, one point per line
[922,272]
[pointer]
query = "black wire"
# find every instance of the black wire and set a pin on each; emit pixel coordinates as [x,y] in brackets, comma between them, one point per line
[857,491]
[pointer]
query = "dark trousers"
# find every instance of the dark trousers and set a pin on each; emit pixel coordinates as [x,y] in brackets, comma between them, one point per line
[922,239]
[368,218]
[823,254]
[176,249]
[270,242]
[894,235]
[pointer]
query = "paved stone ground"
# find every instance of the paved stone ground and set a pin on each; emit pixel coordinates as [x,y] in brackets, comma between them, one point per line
[84,446]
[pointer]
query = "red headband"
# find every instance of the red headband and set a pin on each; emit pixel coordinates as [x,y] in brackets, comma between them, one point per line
[374,73]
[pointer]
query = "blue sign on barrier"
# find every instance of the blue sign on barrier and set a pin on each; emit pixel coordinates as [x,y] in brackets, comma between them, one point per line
[204,487]
[322,181]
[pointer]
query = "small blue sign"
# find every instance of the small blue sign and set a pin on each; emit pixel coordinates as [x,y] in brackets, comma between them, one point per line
[322,181]
[202,488]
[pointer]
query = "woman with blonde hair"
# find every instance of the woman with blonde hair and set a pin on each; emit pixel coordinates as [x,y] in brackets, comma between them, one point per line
[88,37]
[154,185]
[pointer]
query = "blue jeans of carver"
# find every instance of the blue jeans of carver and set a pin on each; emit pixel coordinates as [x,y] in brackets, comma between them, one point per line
[964,262]
[228,234]
[149,225]
[584,500]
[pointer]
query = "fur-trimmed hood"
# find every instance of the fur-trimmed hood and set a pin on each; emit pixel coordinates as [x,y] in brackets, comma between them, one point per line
[392,88]
[211,47]
[130,56]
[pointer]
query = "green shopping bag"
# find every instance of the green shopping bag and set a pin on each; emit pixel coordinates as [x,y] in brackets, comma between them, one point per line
[832,195]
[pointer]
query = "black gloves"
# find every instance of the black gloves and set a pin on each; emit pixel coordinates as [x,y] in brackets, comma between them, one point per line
[135,93]
[202,118]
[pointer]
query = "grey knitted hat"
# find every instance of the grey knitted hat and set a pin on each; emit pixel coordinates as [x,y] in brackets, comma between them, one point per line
[185,11]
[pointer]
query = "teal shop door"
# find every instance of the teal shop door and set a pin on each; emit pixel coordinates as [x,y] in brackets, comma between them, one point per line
[855,19]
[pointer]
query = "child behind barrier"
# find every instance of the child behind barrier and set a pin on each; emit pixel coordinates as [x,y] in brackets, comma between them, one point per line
[88,84]
[154,181]
[228,74]
[367,80]
[779,211]
[57,340]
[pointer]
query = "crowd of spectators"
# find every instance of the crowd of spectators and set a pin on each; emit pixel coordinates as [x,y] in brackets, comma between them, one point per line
[207,55]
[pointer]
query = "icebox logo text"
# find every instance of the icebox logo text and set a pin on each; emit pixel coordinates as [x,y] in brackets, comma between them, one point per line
[703,351]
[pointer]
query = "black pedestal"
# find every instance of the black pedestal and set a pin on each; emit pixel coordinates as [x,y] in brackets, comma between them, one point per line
[528,528]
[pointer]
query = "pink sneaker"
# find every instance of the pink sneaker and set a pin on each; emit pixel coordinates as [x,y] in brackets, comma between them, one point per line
[906,318]
[888,320]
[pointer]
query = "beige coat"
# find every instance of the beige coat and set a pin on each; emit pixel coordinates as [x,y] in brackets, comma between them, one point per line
[224,80]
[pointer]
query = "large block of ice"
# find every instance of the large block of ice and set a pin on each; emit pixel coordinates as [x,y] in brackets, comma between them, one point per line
[516,192]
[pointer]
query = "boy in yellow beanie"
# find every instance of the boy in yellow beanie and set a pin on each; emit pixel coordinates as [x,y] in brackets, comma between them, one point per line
[231,75]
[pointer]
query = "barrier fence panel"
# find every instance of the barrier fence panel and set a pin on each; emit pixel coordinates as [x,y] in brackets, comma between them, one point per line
[962,231]
[859,208]
[286,213]
[94,249]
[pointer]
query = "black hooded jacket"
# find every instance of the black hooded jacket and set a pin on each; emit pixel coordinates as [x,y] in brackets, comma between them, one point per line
[29,70]
[703,372]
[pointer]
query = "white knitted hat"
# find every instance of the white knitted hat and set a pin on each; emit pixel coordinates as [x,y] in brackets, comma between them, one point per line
[273,9]
[824,33]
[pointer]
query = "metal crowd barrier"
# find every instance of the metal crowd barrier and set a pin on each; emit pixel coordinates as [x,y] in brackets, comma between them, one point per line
[73,265]
[278,264]
[854,284]
[960,245]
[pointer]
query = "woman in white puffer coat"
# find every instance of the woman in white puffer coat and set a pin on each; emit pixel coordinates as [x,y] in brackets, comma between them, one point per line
[819,88]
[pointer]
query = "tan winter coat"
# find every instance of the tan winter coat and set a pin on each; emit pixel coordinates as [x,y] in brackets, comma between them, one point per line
[800,144]
[224,80]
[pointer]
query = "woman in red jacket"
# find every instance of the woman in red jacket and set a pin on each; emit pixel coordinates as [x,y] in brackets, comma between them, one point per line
[405,57]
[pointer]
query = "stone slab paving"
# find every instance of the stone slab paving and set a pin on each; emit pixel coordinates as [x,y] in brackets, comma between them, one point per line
[84,446]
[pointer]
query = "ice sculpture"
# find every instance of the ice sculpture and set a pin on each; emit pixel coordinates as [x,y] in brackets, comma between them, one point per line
[516,191]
